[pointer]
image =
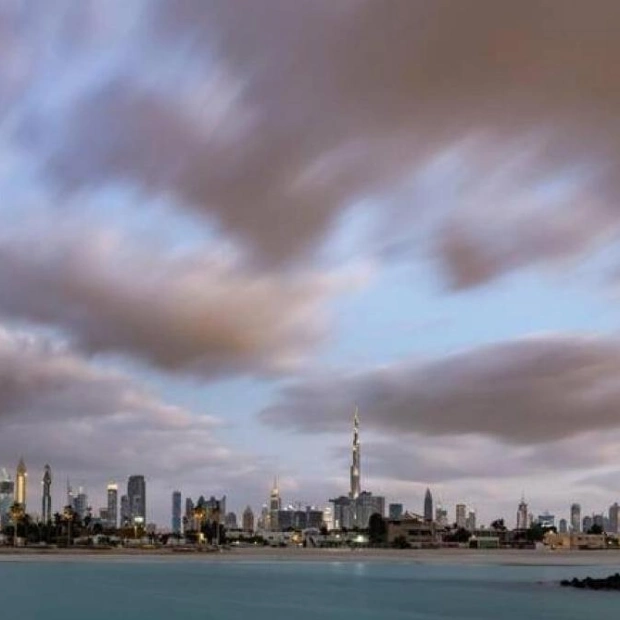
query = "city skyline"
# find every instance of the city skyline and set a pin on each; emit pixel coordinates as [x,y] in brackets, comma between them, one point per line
[224,227]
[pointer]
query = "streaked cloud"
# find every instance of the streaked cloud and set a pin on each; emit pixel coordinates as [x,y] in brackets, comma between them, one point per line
[193,311]
[275,119]
[528,391]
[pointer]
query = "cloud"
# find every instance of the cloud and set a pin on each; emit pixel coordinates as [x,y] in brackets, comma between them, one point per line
[93,425]
[529,391]
[194,311]
[273,119]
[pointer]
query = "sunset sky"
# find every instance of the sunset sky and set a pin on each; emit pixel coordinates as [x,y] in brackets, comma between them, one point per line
[226,223]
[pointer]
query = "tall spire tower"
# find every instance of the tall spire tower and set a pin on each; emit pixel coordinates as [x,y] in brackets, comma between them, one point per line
[355,464]
[46,502]
[20,484]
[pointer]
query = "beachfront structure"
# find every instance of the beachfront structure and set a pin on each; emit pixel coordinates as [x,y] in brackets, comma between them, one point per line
[412,530]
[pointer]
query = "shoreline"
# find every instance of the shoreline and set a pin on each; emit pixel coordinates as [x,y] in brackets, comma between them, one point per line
[499,557]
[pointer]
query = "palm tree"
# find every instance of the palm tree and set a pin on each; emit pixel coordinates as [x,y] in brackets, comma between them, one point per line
[17,513]
[69,516]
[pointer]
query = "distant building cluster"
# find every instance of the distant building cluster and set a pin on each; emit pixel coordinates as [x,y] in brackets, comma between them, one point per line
[358,517]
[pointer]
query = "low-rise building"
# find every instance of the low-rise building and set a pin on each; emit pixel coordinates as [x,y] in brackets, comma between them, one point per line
[415,532]
[575,540]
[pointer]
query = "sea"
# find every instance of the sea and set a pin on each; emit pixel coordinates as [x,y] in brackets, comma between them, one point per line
[257,590]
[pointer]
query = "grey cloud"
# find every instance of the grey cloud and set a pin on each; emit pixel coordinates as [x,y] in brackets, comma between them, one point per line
[194,311]
[528,391]
[425,460]
[330,102]
[93,425]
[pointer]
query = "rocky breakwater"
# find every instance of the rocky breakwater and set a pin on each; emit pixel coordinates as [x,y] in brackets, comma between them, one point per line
[607,583]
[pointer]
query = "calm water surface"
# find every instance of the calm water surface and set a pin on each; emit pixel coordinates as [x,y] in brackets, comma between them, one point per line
[173,590]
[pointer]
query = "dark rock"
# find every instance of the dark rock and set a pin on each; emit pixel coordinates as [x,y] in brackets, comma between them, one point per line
[608,583]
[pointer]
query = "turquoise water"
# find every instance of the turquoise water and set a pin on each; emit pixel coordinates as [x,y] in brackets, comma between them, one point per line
[276,590]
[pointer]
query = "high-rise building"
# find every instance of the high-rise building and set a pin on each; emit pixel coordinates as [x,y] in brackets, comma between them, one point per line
[70,496]
[587,523]
[563,526]
[7,494]
[523,519]
[136,492]
[275,505]
[599,521]
[461,516]
[112,505]
[21,483]
[575,517]
[614,513]
[176,512]
[328,518]
[470,522]
[46,494]
[248,520]
[189,509]
[356,459]
[428,505]
[125,511]
[46,501]
[441,516]
[546,520]
[230,521]
[355,509]
[81,503]
[395,511]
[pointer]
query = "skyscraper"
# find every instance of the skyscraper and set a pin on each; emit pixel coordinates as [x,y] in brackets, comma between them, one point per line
[441,516]
[7,494]
[20,484]
[395,511]
[176,512]
[575,517]
[470,523]
[522,515]
[461,515]
[428,506]
[614,512]
[46,502]
[248,520]
[136,492]
[81,503]
[189,509]
[355,509]
[112,503]
[355,463]
[275,505]
[125,511]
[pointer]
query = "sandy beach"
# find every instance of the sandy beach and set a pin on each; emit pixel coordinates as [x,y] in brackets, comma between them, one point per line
[431,556]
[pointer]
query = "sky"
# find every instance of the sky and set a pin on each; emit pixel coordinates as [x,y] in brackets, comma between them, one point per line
[224,225]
